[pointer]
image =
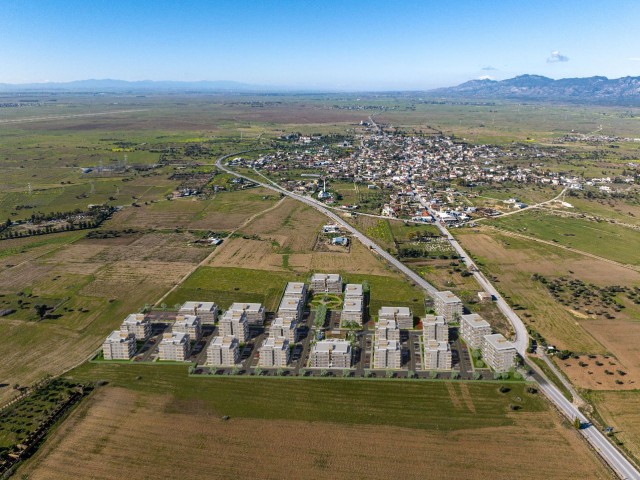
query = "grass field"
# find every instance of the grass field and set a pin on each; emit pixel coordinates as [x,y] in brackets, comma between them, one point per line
[331,428]
[599,238]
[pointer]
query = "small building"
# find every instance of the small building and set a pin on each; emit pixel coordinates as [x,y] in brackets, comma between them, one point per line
[448,305]
[284,327]
[291,308]
[484,297]
[353,290]
[498,353]
[387,330]
[137,324]
[341,241]
[387,354]
[352,310]
[223,351]
[274,352]
[435,328]
[333,353]
[473,329]
[119,345]
[188,324]
[437,355]
[234,322]
[174,346]
[327,283]
[401,315]
[207,311]
[254,312]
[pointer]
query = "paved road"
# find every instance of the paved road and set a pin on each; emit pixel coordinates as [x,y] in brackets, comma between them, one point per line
[598,441]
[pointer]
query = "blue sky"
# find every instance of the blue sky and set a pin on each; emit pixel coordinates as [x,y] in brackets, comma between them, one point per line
[356,44]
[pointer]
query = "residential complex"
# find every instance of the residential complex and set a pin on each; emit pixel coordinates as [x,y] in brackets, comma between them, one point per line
[284,327]
[174,346]
[223,351]
[137,324]
[274,352]
[387,354]
[254,312]
[331,354]
[234,322]
[326,282]
[448,305]
[352,310]
[498,352]
[119,345]
[437,355]
[401,315]
[207,311]
[473,328]
[291,308]
[188,324]
[435,328]
[387,330]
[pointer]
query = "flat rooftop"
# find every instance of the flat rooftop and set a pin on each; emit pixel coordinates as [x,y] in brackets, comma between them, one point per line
[276,343]
[201,306]
[175,338]
[448,297]
[333,345]
[498,342]
[391,311]
[352,305]
[246,307]
[135,319]
[225,342]
[326,277]
[384,344]
[118,337]
[474,320]
[294,288]
[187,320]
[433,319]
[353,290]
[388,324]
[432,345]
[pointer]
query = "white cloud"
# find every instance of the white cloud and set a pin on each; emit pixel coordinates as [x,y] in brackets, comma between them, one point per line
[556,57]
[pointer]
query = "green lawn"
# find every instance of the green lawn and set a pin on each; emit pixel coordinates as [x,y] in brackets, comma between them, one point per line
[390,291]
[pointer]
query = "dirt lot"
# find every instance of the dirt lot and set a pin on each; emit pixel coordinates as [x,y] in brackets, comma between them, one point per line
[597,372]
[143,443]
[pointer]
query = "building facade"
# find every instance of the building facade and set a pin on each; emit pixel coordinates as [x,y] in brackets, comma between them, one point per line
[401,315]
[448,305]
[137,324]
[254,312]
[188,324]
[119,345]
[223,351]
[435,328]
[387,354]
[387,330]
[284,327]
[207,311]
[234,322]
[332,353]
[498,353]
[174,346]
[473,329]
[352,310]
[274,352]
[437,355]
[326,282]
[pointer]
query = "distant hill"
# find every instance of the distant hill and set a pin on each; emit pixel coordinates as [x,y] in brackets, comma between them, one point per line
[109,85]
[624,90]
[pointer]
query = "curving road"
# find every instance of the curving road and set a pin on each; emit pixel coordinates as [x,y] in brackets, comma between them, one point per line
[623,468]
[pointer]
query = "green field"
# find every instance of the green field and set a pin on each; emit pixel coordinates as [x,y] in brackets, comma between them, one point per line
[599,238]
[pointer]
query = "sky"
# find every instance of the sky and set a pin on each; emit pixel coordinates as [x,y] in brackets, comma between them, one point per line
[322,44]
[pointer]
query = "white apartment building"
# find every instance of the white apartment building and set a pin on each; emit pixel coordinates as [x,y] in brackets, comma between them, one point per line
[401,315]
[473,329]
[223,351]
[119,345]
[387,330]
[253,311]
[352,310]
[498,353]
[326,282]
[436,356]
[353,290]
[435,328]
[331,353]
[448,305]
[291,307]
[284,327]
[174,346]
[296,289]
[234,322]
[387,354]
[274,352]
[137,324]
[207,311]
[188,324]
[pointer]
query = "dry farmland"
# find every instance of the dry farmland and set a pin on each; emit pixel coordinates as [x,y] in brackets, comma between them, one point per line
[142,441]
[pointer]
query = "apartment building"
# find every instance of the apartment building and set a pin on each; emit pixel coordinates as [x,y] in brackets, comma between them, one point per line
[207,311]
[448,305]
[387,330]
[498,353]
[333,353]
[296,289]
[254,312]
[174,346]
[353,290]
[188,324]
[326,282]
[401,315]
[387,354]
[119,345]
[436,356]
[291,307]
[223,351]
[234,322]
[352,310]
[435,328]
[137,324]
[473,329]
[284,327]
[274,352]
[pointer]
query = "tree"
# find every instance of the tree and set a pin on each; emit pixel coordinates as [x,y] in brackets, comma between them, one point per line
[577,423]
[163,306]
[41,310]
[258,371]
